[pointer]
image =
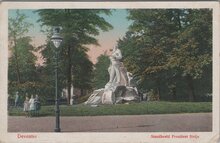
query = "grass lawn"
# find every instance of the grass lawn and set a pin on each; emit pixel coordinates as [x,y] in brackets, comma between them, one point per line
[158,107]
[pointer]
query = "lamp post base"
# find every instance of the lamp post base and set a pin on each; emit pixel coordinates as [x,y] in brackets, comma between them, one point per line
[57,130]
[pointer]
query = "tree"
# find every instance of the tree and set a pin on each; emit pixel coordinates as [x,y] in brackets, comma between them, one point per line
[101,75]
[82,70]
[22,74]
[166,46]
[17,28]
[153,32]
[27,70]
[79,29]
[194,53]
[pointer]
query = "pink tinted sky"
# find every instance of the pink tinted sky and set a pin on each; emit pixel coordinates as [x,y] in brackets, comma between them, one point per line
[106,39]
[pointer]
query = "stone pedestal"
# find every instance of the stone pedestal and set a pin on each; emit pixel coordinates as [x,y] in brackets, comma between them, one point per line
[108,97]
[121,94]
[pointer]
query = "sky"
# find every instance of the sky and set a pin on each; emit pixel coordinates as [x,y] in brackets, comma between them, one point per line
[107,40]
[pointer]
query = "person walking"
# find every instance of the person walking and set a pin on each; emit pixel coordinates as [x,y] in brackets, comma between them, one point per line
[32,105]
[16,99]
[37,105]
[26,106]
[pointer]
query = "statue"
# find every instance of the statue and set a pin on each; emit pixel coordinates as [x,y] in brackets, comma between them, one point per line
[118,88]
[117,72]
[114,66]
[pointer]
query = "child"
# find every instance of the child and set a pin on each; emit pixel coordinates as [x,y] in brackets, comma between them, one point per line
[26,106]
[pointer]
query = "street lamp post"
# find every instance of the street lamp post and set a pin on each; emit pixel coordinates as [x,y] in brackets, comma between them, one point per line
[56,39]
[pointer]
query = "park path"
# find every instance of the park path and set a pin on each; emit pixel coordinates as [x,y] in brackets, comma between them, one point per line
[189,122]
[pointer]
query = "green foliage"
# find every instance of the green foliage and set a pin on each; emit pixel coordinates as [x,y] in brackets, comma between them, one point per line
[123,109]
[194,51]
[165,46]
[82,70]
[22,74]
[27,70]
[79,28]
[101,75]
[81,23]
[26,59]
[17,26]
[169,52]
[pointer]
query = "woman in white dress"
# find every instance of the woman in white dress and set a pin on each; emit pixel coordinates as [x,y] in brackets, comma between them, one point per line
[32,105]
[26,106]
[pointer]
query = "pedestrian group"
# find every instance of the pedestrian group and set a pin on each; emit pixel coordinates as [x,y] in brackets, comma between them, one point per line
[31,106]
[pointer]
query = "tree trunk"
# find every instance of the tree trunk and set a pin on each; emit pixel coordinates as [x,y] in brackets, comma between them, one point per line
[69,76]
[158,89]
[192,96]
[16,62]
[81,92]
[173,90]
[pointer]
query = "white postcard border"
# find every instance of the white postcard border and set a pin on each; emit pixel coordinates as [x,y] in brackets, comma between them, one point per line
[143,137]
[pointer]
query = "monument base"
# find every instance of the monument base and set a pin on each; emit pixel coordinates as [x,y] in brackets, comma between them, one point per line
[121,94]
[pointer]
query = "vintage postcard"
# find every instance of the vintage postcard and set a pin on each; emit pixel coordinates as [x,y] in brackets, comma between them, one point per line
[113,72]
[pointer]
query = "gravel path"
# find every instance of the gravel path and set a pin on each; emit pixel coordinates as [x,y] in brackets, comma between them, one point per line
[191,122]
